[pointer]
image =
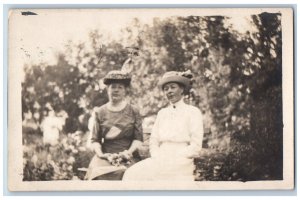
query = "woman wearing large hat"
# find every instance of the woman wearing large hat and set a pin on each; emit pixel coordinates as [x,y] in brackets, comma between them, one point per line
[176,137]
[116,131]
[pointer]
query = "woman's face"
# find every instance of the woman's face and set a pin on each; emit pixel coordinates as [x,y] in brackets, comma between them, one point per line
[116,92]
[173,92]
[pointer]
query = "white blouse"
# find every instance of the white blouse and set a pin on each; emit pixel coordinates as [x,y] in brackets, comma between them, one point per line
[179,123]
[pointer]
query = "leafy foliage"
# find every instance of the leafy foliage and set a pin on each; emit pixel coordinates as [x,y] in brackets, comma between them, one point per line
[59,162]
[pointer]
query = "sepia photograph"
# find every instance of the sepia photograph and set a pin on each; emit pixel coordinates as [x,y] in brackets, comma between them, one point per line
[150,99]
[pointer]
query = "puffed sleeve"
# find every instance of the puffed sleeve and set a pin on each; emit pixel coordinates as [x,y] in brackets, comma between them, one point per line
[154,138]
[138,130]
[196,134]
[94,126]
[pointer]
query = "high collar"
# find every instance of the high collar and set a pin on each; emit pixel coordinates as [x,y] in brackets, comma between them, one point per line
[117,108]
[178,104]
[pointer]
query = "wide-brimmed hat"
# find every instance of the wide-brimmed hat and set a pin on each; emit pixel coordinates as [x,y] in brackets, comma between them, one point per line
[176,77]
[117,76]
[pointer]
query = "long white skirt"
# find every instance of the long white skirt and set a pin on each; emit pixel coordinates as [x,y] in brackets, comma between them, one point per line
[170,164]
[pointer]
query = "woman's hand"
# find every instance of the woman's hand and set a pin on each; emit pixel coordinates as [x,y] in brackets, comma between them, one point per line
[110,157]
[133,147]
[97,149]
[102,155]
[127,155]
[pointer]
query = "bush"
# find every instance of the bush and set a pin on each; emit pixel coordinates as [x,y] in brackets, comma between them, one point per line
[60,162]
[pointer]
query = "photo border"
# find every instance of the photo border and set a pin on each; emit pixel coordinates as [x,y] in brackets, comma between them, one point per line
[5,75]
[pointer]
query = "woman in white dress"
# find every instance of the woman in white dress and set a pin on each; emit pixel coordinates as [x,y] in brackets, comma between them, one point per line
[176,137]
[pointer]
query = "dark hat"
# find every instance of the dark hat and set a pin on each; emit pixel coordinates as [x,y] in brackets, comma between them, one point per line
[117,76]
[177,77]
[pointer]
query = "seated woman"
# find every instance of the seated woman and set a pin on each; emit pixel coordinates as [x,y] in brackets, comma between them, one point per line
[116,131]
[176,136]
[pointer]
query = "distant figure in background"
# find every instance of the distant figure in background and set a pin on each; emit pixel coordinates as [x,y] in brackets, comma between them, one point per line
[116,130]
[51,127]
[176,137]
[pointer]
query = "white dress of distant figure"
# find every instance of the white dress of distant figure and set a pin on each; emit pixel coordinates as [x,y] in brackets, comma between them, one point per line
[51,127]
